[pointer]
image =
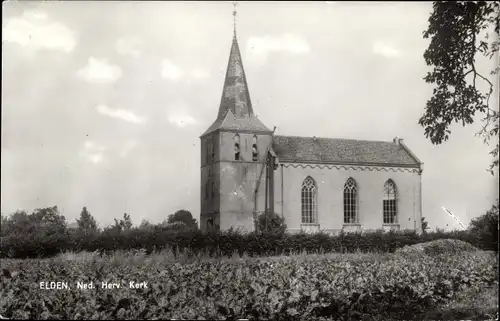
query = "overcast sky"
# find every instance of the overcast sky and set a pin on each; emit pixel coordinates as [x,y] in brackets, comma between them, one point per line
[103,103]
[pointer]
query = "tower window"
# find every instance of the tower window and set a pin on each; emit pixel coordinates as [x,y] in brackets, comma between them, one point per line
[237,147]
[210,151]
[213,189]
[207,152]
[206,190]
[255,152]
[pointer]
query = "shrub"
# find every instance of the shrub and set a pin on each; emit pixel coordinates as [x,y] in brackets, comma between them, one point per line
[438,247]
[270,222]
[485,228]
[185,217]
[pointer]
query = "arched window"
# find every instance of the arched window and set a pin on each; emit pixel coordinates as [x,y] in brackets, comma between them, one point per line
[308,200]
[255,152]
[237,147]
[350,202]
[389,203]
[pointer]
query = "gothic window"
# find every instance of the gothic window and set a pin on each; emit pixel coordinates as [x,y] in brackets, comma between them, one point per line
[389,203]
[308,200]
[255,154]
[350,202]
[237,147]
[213,189]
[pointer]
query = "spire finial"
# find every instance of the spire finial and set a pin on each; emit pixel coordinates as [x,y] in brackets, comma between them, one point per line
[234,17]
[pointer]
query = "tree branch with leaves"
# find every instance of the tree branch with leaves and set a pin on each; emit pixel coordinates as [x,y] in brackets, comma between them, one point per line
[459,32]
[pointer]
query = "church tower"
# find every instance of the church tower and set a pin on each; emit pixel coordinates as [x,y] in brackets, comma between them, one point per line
[233,151]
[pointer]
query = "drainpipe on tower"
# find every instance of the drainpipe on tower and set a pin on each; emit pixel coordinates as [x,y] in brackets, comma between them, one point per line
[266,200]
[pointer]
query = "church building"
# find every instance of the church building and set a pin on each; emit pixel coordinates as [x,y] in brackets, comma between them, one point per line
[314,183]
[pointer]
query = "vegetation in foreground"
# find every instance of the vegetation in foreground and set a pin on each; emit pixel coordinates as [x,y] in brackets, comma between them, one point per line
[409,284]
[470,304]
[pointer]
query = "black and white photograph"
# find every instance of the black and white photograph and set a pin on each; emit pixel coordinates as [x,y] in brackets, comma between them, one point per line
[251,160]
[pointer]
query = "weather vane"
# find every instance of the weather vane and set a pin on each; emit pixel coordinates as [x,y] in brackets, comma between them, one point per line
[234,16]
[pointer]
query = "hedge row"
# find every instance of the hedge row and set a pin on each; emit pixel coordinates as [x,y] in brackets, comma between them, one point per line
[224,243]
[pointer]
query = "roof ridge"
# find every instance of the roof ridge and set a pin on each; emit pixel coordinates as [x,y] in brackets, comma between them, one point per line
[348,139]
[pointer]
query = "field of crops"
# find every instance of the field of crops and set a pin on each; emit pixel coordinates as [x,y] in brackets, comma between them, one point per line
[319,287]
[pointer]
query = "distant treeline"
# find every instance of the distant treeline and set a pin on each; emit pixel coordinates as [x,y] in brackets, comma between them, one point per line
[45,233]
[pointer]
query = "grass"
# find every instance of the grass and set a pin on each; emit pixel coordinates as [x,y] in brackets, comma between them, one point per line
[168,256]
[186,256]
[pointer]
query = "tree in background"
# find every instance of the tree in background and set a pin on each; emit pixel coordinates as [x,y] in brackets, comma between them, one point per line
[459,31]
[271,222]
[123,224]
[86,222]
[183,216]
[19,222]
[3,224]
[486,227]
[145,224]
[425,225]
[25,232]
[49,219]
[126,222]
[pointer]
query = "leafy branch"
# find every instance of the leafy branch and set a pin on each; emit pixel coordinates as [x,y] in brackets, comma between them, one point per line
[454,30]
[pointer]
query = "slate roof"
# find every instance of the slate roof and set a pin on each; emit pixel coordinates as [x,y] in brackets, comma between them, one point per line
[235,110]
[230,122]
[333,150]
[235,93]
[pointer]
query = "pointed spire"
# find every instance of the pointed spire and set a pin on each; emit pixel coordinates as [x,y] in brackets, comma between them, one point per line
[235,110]
[235,94]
